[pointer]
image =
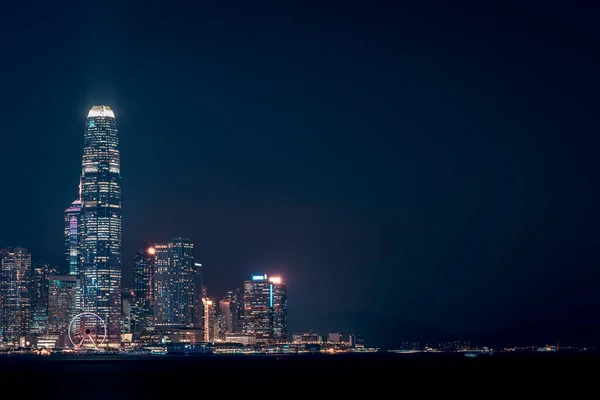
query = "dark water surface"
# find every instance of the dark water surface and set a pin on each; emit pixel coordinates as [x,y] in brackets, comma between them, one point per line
[291,377]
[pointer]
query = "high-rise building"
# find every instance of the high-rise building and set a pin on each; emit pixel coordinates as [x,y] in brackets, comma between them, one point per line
[64,300]
[176,288]
[143,274]
[142,309]
[210,321]
[265,308]
[100,245]
[39,297]
[15,292]
[258,314]
[224,317]
[231,312]
[73,237]
[278,302]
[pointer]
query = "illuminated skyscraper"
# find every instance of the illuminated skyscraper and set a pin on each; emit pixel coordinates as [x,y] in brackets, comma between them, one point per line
[210,327]
[142,309]
[144,277]
[258,315]
[176,288]
[100,245]
[231,312]
[15,270]
[39,297]
[279,308]
[64,300]
[73,236]
[265,308]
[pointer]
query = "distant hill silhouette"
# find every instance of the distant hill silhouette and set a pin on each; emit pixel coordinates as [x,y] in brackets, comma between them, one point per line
[377,330]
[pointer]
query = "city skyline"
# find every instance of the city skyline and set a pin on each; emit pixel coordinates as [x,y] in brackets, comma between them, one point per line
[82,304]
[401,166]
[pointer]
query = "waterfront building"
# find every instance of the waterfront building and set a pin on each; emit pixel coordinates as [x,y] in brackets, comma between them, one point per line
[64,302]
[15,292]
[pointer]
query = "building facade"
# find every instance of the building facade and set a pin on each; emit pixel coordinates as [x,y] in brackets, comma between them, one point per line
[258,315]
[265,308]
[210,327]
[73,238]
[176,289]
[39,297]
[143,275]
[231,312]
[15,291]
[100,245]
[64,301]
[279,307]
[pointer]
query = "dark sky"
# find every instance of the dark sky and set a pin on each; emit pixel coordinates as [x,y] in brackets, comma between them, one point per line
[434,162]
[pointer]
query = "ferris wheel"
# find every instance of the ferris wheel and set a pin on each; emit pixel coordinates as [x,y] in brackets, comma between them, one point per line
[87,330]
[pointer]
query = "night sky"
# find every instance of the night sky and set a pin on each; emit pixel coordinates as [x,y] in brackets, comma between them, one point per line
[431,166]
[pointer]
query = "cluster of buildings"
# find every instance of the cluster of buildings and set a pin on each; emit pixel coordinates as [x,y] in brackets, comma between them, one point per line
[169,303]
[82,304]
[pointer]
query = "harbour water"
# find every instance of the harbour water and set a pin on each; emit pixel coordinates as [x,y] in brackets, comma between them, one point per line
[229,376]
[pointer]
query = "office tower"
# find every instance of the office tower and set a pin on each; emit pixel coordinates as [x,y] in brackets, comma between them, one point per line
[100,247]
[143,273]
[64,300]
[175,285]
[210,321]
[39,297]
[142,309]
[73,237]
[201,293]
[231,311]
[224,317]
[15,293]
[278,301]
[258,315]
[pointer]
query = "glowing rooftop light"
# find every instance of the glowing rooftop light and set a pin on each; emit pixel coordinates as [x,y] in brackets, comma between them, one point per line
[101,111]
[275,279]
[259,277]
[151,251]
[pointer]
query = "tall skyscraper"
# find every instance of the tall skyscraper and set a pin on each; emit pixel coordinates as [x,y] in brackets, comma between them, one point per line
[258,315]
[265,308]
[100,247]
[15,292]
[73,236]
[143,274]
[279,307]
[176,288]
[210,323]
[142,309]
[39,297]
[231,311]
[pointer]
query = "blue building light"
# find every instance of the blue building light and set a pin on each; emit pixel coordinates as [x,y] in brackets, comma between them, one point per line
[259,277]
